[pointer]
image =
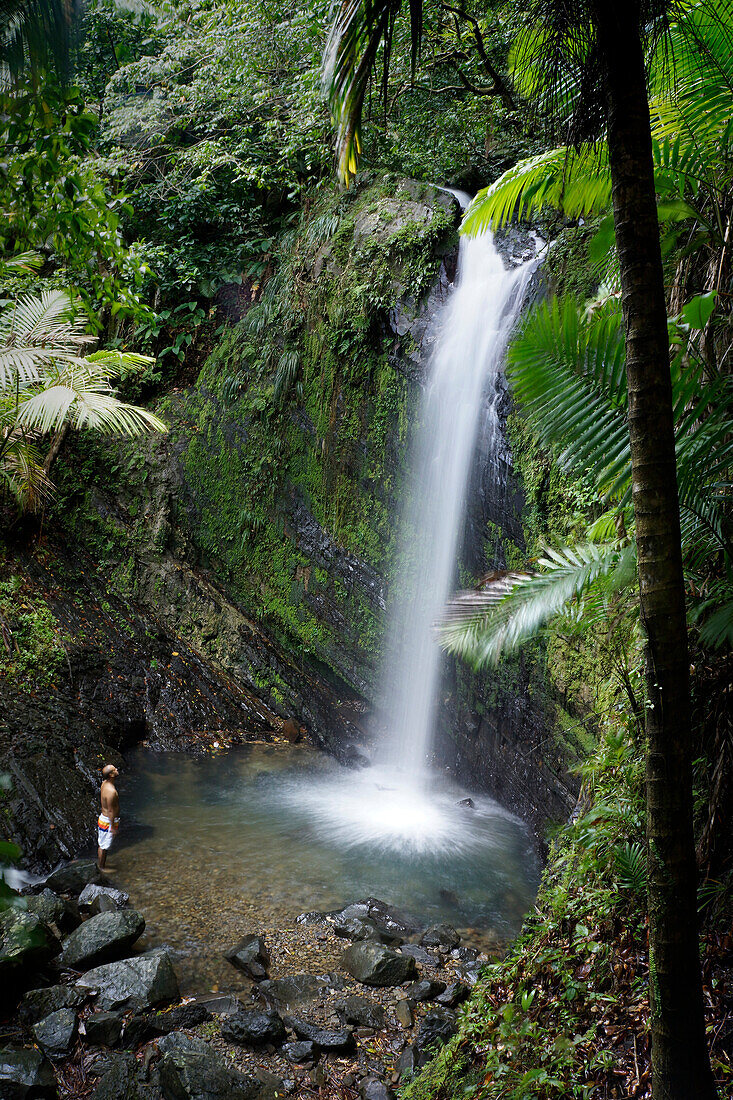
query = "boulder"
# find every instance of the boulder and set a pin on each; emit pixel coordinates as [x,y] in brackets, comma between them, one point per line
[56,1033]
[425,990]
[39,1003]
[25,1074]
[123,1081]
[104,1029]
[51,909]
[252,1028]
[71,878]
[136,1031]
[419,954]
[298,989]
[358,928]
[26,943]
[98,899]
[374,1089]
[182,1016]
[141,982]
[321,1037]
[102,938]
[454,995]
[299,1053]
[250,955]
[441,935]
[436,1028]
[377,965]
[388,917]
[361,1011]
[191,1070]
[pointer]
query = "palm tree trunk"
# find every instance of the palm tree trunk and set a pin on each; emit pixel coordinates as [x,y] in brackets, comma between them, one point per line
[680,1061]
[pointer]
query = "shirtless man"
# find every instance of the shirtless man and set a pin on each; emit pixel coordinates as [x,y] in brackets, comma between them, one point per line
[108,824]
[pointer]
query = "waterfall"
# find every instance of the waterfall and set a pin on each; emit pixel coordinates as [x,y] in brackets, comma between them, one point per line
[460,396]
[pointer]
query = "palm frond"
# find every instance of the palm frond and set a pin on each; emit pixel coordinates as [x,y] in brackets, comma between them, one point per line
[630,865]
[361,27]
[483,625]
[34,33]
[285,374]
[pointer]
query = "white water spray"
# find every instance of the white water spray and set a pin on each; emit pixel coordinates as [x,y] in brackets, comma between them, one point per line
[461,392]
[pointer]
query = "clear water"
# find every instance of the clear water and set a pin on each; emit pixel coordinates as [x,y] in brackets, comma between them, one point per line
[216,847]
[459,399]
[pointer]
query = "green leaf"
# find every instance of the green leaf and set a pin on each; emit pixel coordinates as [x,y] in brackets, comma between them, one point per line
[698,310]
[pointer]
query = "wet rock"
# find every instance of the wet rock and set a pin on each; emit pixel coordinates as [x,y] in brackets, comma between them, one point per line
[419,954]
[56,1033]
[26,1073]
[122,1080]
[51,909]
[467,802]
[191,1070]
[403,1014]
[182,1016]
[141,982]
[323,1038]
[71,878]
[470,972]
[442,935]
[103,1029]
[388,917]
[251,956]
[252,1028]
[136,1031]
[103,938]
[296,990]
[94,898]
[26,944]
[298,1053]
[361,1011]
[455,994]
[377,965]
[406,1062]
[435,1029]
[219,1004]
[424,990]
[357,928]
[272,1087]
[39,1003]
[291,731]
[464,954]
[374,1089]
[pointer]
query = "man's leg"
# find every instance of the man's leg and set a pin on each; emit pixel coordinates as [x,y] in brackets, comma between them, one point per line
[101,858]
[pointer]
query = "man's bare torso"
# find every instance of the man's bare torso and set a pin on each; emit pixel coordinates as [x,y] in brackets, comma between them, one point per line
[110,800]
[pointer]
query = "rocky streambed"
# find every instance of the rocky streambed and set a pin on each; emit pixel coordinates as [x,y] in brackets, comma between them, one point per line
[344,1004]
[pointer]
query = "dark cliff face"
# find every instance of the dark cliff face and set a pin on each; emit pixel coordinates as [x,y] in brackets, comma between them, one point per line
[235,573]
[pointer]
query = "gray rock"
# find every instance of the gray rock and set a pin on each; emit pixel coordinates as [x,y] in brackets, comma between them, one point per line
[25,1074]
[298,1053]
[388,917]
[122,1081]
[253,1028]
[464,954]
[441,935]
[374,1089]
[94,898]
[104,1029]
[323,1038]
[56,1033]
[403,1013]
[136,1031]
[377,965]
[26,944]
[141,982]
[71,878]
[296,990]
[436,1028]
[419,954]
[39,1003]
[219,1004]
[250,955]
[454,995]
[47,906]
[190,1015]
[406,1062]
[361,1011]
[470,972]
[103,938]
[425,990]
[272,1087]
[191,1070]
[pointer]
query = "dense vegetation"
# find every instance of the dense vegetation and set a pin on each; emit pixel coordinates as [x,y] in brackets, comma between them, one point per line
[169,161]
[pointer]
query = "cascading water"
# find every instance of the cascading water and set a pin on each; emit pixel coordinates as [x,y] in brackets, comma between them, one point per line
[473,331]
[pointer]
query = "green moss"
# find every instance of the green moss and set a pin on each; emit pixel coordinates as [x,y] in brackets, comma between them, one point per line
[34,646]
